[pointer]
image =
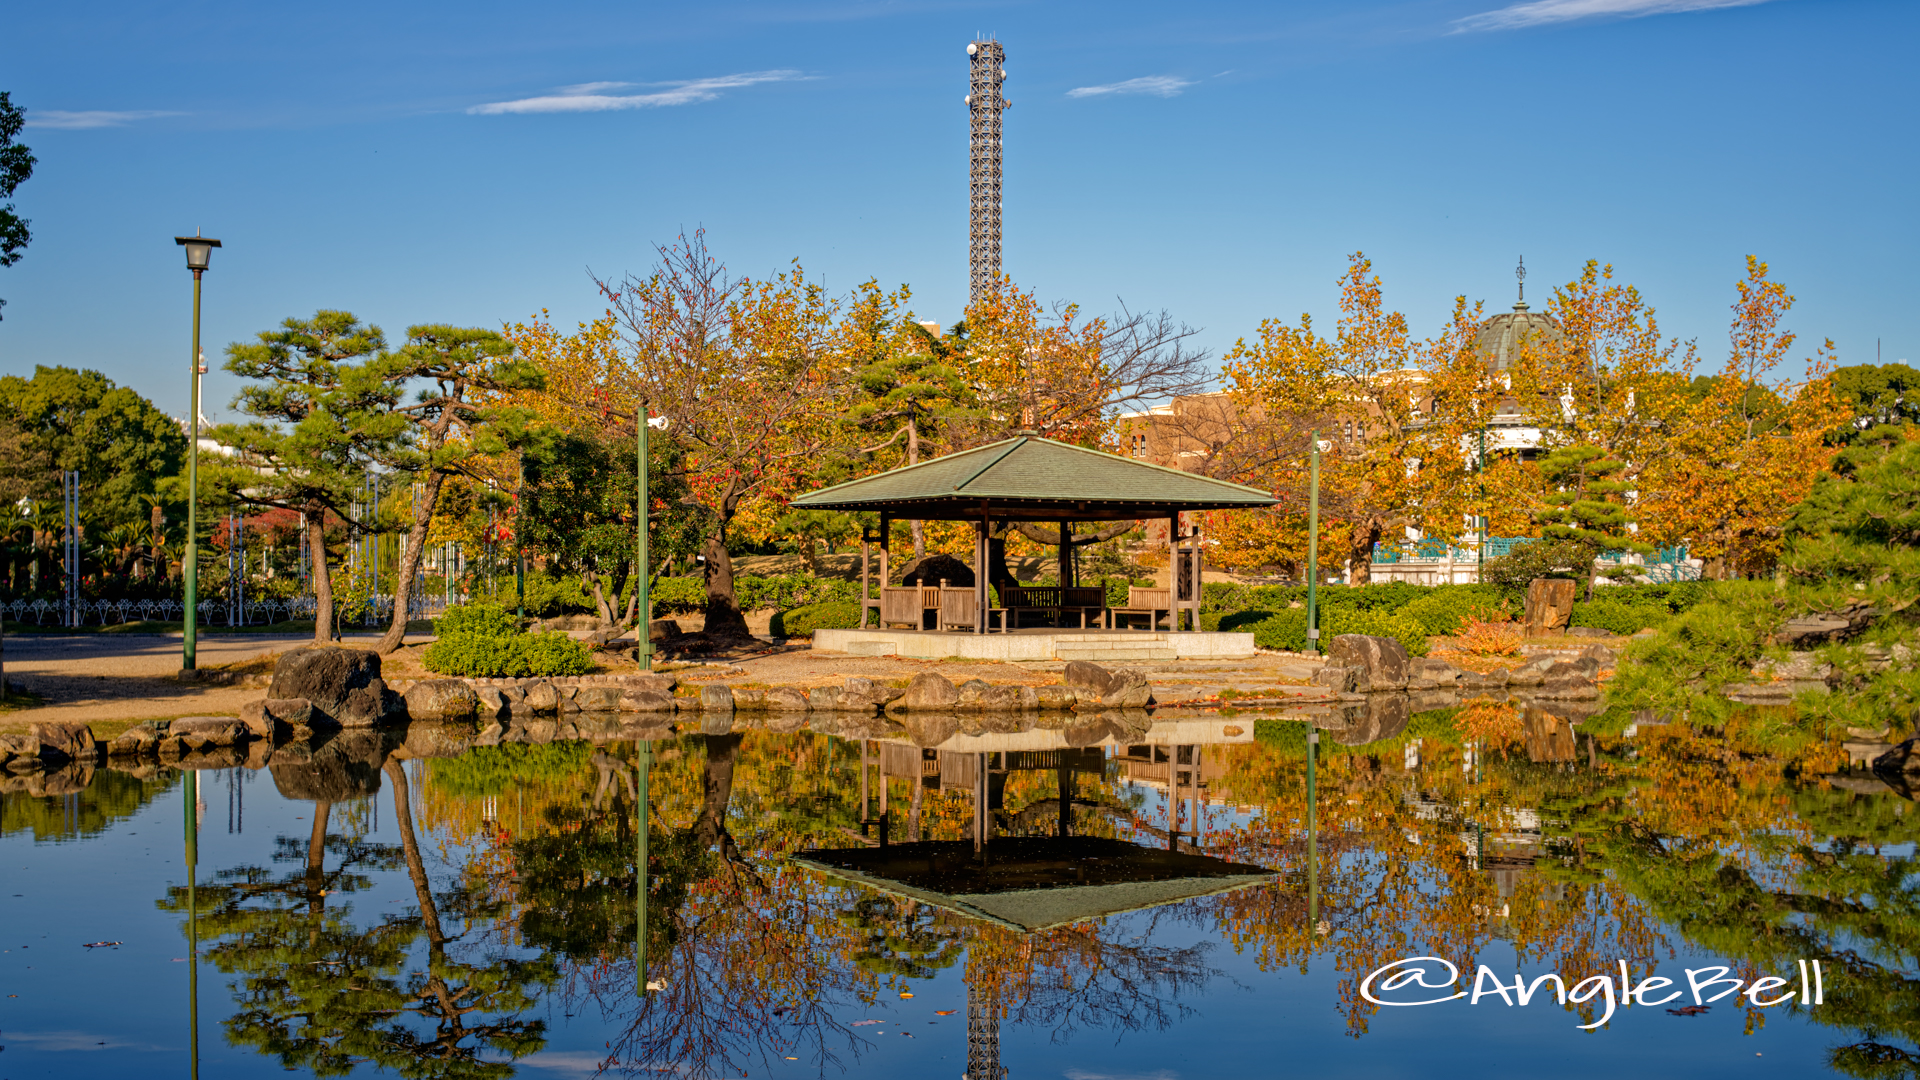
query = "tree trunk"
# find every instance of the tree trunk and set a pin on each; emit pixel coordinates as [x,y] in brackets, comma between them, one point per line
[396,634]
[724,619]
[322,584]
[1360,552]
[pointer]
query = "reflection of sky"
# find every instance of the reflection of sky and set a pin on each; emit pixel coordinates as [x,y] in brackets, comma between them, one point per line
[109,1012]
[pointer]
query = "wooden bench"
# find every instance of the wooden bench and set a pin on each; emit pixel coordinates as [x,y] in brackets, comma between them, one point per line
[908,604]
[1144,601]
[961,607]
[1054,600]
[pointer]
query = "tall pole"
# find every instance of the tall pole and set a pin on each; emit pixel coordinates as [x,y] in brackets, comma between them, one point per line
[1313,542]
[643,605]
[985,103]
[192,567]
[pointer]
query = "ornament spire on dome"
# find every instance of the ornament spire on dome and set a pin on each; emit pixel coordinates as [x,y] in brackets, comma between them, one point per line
[1520,273]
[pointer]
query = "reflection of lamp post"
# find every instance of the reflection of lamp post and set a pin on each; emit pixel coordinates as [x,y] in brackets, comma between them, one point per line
[643,764]
[1313,835]
[199,251]
[190,789]
[642,603]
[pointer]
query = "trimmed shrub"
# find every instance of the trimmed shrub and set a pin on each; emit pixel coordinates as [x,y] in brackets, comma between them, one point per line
[1618,618]
[677,595]
[1444,611]
[481,656]
[480,620]
[803,621]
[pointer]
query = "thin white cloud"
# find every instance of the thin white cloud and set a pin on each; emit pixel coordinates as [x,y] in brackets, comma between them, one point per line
[73,121]
[1548,12]
[593,97]
[1157,85]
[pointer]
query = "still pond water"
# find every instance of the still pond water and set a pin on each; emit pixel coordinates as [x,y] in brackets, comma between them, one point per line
[817,903]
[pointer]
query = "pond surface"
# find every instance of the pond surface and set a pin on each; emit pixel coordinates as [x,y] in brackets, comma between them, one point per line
[822,903]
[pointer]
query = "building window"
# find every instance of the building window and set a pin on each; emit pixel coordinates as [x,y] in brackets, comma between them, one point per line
[1139,446]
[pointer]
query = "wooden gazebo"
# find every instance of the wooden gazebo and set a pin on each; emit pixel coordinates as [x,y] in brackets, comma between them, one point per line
[1030,479]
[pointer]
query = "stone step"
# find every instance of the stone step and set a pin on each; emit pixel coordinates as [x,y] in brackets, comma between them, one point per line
[1115,652]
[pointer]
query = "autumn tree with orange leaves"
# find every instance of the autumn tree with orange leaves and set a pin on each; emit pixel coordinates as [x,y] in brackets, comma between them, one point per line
[1394,411]
[739,369]
[1749,447]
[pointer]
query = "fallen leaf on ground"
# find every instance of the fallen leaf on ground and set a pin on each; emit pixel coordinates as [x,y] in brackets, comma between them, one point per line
[904,995]
[945,1012]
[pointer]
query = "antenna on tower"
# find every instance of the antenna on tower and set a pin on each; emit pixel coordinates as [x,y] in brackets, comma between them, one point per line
[985,103]
[1520,273]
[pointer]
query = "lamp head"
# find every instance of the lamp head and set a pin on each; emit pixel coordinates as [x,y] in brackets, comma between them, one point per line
[199,250]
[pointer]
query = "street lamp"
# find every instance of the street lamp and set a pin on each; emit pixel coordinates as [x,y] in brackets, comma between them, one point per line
[199,251]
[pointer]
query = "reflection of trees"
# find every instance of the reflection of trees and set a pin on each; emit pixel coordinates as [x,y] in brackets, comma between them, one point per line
[95,800]
[322,993]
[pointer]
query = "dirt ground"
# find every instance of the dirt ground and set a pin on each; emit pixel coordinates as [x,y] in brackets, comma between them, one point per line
[113,681]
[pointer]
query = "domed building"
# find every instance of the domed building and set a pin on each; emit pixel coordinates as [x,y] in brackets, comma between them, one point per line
[1502,340]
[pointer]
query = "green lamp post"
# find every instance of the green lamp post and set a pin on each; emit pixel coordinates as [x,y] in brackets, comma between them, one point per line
[199,251]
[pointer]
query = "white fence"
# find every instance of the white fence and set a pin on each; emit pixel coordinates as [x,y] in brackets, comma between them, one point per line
[379,611]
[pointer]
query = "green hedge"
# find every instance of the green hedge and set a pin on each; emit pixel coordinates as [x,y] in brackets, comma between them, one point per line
[482,656]
[1619,618]
[1444,610]
[803,621]
[1288,629]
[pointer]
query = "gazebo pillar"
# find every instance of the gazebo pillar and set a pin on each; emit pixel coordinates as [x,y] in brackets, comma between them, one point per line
[1066,557]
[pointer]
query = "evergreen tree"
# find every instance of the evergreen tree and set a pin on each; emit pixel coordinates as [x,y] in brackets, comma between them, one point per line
[1587,506]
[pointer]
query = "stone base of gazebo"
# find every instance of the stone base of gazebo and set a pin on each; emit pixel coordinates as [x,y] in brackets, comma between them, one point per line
[1038,644]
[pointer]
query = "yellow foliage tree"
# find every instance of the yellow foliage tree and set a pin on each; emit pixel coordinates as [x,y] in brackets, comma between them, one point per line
[1748,446]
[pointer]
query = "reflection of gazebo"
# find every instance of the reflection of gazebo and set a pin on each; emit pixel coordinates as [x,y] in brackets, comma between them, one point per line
[1034,883]
[1029,479]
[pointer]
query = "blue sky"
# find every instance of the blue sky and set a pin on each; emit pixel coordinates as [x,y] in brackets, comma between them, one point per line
[347,155]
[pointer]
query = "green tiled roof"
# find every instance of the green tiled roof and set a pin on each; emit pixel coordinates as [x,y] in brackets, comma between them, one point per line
[1030,477]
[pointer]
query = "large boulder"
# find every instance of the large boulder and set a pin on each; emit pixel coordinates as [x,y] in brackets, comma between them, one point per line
[136,740]
[933,569]
[1550,603]
[19,744]
[343,684]
[201,732]
[786,699]
[865,694]
[1122,688]
[67,741]
[442,699]
[647,701]
[1339,678]
[716,699]
[978,694]
[1382,661]
[541,697]
[269,718]
[927,692]
[598,698]
[1902,760]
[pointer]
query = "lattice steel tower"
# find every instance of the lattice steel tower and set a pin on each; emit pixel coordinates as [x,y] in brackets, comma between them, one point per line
[985,103]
